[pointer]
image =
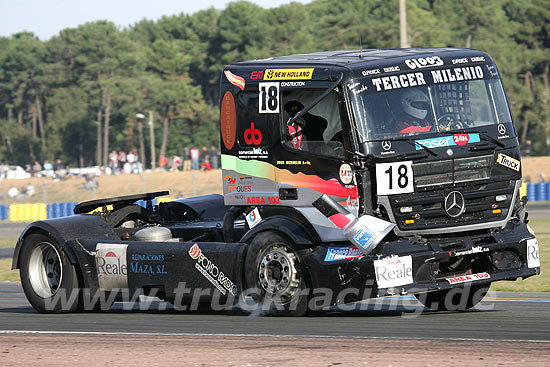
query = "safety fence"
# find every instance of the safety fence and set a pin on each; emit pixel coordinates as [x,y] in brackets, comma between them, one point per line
[40,211]
[31,212]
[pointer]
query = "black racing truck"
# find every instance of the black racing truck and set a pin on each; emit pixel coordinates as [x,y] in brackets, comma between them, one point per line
[347,175]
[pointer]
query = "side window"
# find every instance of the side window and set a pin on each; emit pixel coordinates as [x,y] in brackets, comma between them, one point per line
[319,131]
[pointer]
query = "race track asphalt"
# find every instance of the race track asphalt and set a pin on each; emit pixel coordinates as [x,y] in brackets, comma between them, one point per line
[502,316]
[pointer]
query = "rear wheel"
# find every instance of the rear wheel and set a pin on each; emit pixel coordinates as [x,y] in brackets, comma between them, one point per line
[275,276]
[48,279]
[454,299]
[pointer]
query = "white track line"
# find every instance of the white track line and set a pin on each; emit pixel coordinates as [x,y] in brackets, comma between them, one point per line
[115,333]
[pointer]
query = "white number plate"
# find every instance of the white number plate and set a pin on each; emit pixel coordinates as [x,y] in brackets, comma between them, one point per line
[394,178]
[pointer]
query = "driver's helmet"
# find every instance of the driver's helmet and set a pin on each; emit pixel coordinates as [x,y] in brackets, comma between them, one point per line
[415,103]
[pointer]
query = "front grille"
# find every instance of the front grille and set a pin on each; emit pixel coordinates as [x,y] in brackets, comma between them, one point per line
[452,171]
[428,205]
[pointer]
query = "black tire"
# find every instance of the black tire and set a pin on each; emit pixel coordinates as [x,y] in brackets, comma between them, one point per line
[275,277]
[454,299]
[49,280]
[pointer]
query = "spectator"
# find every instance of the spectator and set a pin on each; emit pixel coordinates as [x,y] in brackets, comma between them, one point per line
[214,157]
[206,166]
[29,191]
[58,165]
[36,168]
[130,162]
[195,154]
[13,192]
[113,161]
[163,162]
[176,162]
[121,160]
[47,165]
[3,171]
[186,160]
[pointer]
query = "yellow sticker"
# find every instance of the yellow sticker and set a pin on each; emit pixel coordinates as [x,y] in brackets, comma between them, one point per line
[508,162]
[288,74]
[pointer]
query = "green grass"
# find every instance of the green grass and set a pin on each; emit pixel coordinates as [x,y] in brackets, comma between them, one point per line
[537,283]
[7,242]
[6,274]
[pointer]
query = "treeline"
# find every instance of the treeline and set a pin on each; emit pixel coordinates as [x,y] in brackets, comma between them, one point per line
[76,95]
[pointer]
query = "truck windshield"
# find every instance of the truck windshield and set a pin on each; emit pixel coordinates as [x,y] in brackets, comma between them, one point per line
[427,102]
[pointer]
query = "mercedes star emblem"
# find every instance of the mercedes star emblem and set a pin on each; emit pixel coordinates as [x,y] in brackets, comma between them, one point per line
[386,145]
[454,204]
[501,129]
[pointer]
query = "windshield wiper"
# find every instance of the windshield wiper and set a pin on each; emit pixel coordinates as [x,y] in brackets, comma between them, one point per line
[306,109]
[489,139]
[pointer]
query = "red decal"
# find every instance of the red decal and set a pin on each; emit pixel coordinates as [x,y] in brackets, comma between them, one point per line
[255,200]
[110,254]
[257,75]
[461,139]
[228,120]
[234,79]
[195,251]
[339,220]
[252,135]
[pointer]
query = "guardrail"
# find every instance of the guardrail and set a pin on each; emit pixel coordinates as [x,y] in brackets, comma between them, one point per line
[31,212]
[40,211]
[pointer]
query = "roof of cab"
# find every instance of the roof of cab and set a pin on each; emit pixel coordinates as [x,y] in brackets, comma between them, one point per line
[353,57]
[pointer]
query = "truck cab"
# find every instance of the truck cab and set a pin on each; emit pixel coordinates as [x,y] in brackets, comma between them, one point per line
[421,138]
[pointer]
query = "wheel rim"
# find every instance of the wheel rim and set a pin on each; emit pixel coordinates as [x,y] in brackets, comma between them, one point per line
[278,273]
[45,270]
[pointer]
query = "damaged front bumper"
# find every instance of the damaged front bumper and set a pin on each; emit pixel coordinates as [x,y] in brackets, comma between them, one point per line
[411,266]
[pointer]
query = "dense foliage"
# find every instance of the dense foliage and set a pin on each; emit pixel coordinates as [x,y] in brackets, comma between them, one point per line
[76,96]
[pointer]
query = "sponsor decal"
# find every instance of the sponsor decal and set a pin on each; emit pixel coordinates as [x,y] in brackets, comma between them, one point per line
[253,218]
[473,250]
[236,80]
[230,179]
[112,268]
[446,141]
[253,153]
[461,139]
[288,74]
[364,238]
[509,162]
[351,86]
[477,59]
[393,271]
[258,200]
[533,258]
[211,272]
[343,253]
[239,188]
[138,266]
[228,120]
[454,74]
[468,278]
[293,84]
[492,70]
[257,75]
[398,81]
[370,72]
[293,163]
[392,69]
[356,92]
[459,61]
[346,174]
[424,62]
[252,136]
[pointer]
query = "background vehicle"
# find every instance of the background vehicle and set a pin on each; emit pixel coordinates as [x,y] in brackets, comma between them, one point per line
[323,188]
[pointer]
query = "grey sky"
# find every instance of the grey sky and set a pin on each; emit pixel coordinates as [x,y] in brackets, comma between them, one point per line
[45,18]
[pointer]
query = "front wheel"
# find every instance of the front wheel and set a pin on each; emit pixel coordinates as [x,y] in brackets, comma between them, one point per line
[454,299]
[275,276]
[48,279]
